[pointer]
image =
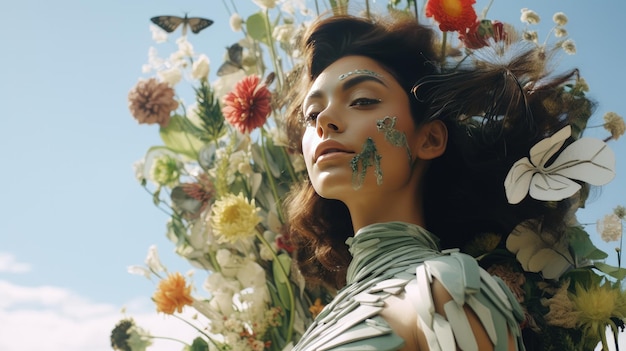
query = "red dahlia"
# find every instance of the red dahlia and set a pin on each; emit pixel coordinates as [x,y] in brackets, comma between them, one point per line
[248,105]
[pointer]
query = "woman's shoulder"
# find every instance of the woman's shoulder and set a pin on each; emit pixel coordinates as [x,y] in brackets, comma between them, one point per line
[456,302]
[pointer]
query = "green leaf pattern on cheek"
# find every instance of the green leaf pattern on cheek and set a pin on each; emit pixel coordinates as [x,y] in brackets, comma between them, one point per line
[387,125]
[368,157]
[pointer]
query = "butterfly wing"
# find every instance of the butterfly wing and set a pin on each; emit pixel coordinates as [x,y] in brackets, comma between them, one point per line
[227,68]
[196,24]
[234,62]
[167,23]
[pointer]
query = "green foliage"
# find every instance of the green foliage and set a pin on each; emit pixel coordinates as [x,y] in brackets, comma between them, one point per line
[198,344]
[280,278]
[257,29]
[180,136]
[209,113]
[582,246]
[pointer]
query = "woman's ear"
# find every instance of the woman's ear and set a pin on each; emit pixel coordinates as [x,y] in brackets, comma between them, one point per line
[432,140]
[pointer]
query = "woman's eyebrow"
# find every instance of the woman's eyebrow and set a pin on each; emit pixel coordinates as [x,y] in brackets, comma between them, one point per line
[349,83]
[360,79]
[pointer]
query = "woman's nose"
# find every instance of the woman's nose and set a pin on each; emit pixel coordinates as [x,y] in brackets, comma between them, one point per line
[326,123]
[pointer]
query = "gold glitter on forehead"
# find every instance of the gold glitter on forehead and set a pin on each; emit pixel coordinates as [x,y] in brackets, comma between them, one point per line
[359,71]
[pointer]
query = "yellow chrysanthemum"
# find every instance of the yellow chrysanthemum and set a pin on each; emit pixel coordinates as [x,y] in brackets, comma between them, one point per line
[596,306]
[172,294]
[234,218]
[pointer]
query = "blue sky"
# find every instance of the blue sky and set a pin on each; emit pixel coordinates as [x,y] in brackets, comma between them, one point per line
[73,216]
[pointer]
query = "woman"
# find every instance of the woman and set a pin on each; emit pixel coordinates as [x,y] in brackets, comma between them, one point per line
[397,148]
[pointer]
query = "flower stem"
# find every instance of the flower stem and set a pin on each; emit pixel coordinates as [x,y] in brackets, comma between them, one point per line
[444,40]
[292,310]
[487,9]
[168,338]
[292,172]
[198,329]
[270,176]
[275,59]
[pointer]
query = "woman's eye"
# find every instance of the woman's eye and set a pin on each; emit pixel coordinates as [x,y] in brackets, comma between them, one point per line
[364,102]
[310,117]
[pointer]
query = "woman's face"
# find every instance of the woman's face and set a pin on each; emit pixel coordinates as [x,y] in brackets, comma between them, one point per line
[359,135]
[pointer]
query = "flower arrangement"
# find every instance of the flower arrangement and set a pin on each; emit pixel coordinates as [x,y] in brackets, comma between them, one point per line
[224,168]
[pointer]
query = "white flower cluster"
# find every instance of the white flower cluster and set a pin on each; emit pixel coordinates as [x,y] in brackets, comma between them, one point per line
[171,70]
[610,228]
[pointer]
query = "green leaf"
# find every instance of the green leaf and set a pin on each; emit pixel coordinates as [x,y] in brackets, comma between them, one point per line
[199,345]
[615,272]
[581,244]
[584,276]
[178,139]
[156,199]
[280,280]
[256,27]
[210,114]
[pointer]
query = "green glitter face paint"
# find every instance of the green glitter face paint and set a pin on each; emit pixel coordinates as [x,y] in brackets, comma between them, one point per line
[387,125]
[368,157]
[359,71]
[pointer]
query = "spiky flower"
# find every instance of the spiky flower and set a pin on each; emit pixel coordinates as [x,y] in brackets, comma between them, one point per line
[597,305]
[563,311]
[172,294]
[234,218]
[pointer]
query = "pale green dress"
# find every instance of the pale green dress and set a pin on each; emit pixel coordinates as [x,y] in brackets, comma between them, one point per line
[396,257]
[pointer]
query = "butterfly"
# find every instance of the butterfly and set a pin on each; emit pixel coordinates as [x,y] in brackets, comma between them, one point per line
[234,61]
[170,23]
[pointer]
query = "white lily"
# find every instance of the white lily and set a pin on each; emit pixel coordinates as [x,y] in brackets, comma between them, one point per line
[587,159]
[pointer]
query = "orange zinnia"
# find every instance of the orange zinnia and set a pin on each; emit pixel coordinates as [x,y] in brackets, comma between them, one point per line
[248,105]
[452,15]
[172,294]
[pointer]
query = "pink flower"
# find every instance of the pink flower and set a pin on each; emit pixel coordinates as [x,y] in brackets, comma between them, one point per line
[248,105]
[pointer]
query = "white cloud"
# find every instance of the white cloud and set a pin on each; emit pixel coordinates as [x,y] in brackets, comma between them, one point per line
[9,264]
[54,318]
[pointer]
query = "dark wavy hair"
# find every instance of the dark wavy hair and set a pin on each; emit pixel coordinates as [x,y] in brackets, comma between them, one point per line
[494,114]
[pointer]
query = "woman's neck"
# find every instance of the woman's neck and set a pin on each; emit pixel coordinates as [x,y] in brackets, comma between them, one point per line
[378,210]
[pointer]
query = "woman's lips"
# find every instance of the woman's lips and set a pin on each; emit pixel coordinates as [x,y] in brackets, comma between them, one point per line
[330,148]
